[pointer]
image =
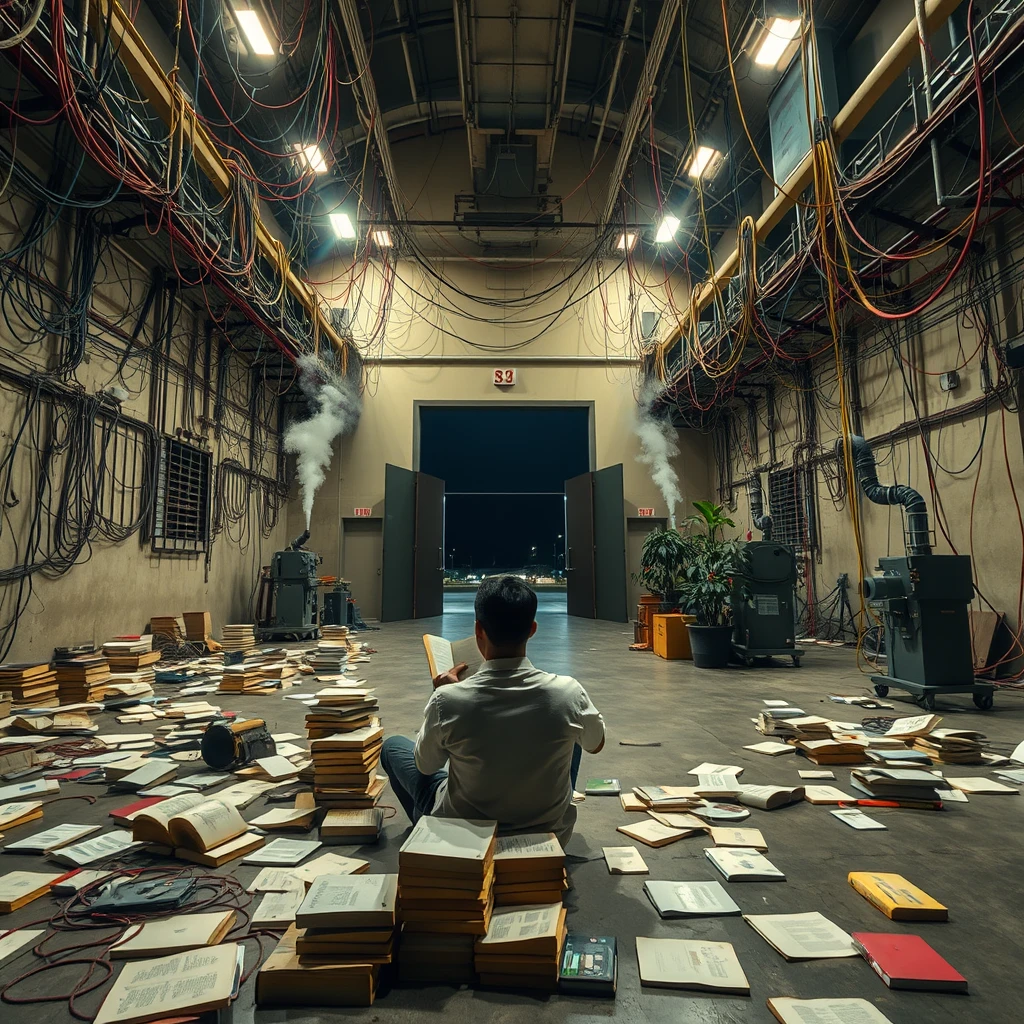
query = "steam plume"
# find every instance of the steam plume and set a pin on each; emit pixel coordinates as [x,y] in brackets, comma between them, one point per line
[334,410]
[658,445]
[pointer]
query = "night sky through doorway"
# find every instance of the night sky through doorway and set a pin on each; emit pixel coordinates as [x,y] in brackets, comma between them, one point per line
[504,471]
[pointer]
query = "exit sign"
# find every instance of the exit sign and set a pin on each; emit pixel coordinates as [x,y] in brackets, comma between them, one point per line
[504,378]
[362,513]
[645,513]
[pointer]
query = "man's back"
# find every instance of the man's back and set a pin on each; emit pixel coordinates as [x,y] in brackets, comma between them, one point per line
[508,734]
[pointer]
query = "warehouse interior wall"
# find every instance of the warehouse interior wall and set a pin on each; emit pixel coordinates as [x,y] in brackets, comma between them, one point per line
[78,476]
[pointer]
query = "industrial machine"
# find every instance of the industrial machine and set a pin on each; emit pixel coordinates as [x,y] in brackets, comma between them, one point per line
[764,601]
[338,607]
[293,605]
[923,599]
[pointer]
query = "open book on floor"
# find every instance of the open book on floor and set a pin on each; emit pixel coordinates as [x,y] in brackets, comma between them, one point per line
[443,655]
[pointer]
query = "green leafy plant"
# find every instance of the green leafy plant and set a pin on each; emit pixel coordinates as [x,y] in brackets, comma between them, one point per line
[662,562]
[712,565]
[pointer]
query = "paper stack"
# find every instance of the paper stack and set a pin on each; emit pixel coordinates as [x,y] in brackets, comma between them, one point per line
[238,637]
[168,627]
[130,653]
[668,798]
[243,679]
[29,685]
[833,751]
[330,656]
[906,786]
[351,827]
[340,709]
[952,746]
[529,869]
[522,947]
[344,765]
[81,678]
[446,882]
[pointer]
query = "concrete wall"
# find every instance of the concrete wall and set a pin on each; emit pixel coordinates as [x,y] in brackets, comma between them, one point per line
[118,584]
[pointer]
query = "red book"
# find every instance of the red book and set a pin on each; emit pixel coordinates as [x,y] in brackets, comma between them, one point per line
[907,961]
[124,815]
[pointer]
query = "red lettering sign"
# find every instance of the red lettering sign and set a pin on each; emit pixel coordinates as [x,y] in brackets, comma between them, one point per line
[362,513]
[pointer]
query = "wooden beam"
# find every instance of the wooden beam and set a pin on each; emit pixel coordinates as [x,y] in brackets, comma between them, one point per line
[107,17]
[896,60]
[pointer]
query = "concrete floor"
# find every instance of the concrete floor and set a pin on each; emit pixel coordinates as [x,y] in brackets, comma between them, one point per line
[969,857]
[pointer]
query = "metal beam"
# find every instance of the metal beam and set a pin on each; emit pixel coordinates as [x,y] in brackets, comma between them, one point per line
[896,60]
[476,140]
[638,111]
[556,91]
[613,81]
[365,92]
[108,19]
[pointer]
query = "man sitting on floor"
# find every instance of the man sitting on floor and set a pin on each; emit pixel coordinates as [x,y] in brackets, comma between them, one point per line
[510,734]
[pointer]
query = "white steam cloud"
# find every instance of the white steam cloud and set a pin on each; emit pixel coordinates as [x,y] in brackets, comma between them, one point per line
[335,409]
[659,444]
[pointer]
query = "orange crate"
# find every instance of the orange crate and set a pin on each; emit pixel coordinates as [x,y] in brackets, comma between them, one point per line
[671,637]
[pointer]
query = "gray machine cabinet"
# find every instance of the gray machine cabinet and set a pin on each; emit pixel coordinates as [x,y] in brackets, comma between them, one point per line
[764,604]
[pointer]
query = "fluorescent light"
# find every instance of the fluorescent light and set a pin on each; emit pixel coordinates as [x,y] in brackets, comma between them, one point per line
[343,226]
[667,228]
[255,35]
[779,34]
[704,156]
[626,241]
[382,237]
[312,158]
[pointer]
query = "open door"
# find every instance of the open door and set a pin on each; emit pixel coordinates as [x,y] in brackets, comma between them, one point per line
[428,571]
[397,573]
[595,539]
[609,546]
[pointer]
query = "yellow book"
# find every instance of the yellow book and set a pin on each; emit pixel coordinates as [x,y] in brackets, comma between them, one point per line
[897,898]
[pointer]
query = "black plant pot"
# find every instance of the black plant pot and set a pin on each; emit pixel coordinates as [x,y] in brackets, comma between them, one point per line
[711,645]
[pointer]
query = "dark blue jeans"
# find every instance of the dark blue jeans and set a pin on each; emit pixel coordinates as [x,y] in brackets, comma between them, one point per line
[415,791]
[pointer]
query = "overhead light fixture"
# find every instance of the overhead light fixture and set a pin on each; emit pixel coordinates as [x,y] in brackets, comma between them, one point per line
[255,35]
[382,238]
[626,241]
[343,226]
[705,161]
[667,228]
[312,157]
[779,33]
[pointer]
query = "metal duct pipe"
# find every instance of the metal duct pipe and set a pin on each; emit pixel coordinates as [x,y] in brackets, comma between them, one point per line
[762,521]
[919,542]
[296,545]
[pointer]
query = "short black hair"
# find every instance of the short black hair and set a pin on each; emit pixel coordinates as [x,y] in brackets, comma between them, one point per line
[505,608]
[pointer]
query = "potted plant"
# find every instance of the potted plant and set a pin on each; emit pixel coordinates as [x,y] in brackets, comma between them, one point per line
[662,565]
[712,564]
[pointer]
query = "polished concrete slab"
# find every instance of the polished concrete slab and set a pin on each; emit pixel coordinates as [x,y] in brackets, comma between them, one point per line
[968,856]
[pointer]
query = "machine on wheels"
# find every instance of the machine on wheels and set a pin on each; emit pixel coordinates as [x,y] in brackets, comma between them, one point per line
[923,600]
[292,614]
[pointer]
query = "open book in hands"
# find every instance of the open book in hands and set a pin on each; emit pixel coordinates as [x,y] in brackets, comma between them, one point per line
[444,655]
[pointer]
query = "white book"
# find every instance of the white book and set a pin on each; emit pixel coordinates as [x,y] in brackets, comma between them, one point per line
[653,833]
[825,1011]
[624,860]
[723,835]
[443,655]
[768,798]
[152,773]
[1012,775]
[111,844]
[951,796]
[276,880]
[436,840]
[775,703]
[980,786]
[809,936]
[276,767]
[772,748]
[827,795]
[181,985]
[856,818]
[16,940]
[278,909]
[349,901]
[816,773]
[690,899]
[510,849]
[690,963]
[521,924]
[241,794]
[51,838]
[740,864]
[174,934]
[329,864]
[204,780]
[718,786]
[25,789]
[283,852]
[709,768]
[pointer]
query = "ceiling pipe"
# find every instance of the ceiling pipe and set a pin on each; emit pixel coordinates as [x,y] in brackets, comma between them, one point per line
[614,80]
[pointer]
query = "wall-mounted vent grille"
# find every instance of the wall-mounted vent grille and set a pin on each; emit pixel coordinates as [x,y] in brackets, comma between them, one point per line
[181,514]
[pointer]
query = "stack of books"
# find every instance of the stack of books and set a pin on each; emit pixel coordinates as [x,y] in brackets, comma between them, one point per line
[833,751]
[238,637]
[952,746]
[81,678]
[344,766]
[445,887]
[243,679]
[348,922]
[166,626]
[776,722]
[351,827]
[198,626]
[529,870]
[668,798]
[338,634]
[30,685]
[330,656]
[522,948]
[341,708]
[909,787]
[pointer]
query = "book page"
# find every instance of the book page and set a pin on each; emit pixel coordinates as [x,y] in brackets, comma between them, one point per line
[162,812]
[450,837]
[439,654]
[329,864]
[696,898]
[624,860]
[172,985]
[802,936]
[539,845]
[283,851]
[211,823]
[277,909]
[276,880]
[331,894]
[467,651]
[517,924]
[181,930]
[689,962]
[826,1011]
[108,845]
[13,941]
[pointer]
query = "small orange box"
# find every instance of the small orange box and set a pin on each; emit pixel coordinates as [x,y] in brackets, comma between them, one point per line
[671,637]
